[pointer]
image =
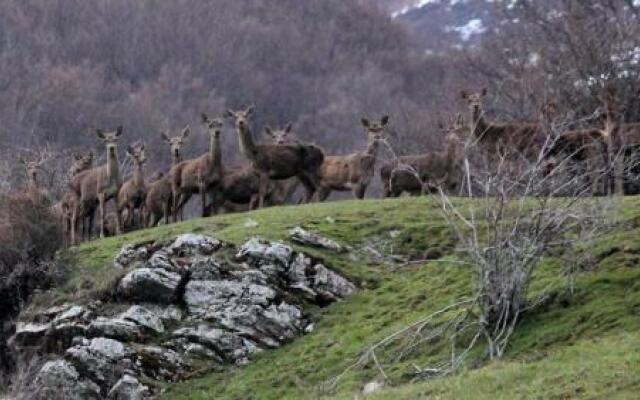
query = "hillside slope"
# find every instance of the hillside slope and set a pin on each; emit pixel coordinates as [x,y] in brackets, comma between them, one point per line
[580,345]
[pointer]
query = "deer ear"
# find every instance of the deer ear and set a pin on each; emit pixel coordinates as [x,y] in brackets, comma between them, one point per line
[228,114]
[100,133]
[76,156]
[464,94]
[249,110]
[22,161]
[484,92]
[365,122]
[165,137]
[268,131]
[130,151]
[288,128]
[204,117]
[119,130]
[385,120]
[142,147]
[440,125]
[185,131]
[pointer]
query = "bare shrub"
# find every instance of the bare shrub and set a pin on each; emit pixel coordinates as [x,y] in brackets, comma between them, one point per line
[510,218]
[29,238]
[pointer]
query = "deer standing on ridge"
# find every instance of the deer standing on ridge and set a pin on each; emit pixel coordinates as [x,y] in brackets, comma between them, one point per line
[133,193]
[100,184]
[278,162]
[353,172]
[422,173]
[200,175]
[159,199]
[499,139]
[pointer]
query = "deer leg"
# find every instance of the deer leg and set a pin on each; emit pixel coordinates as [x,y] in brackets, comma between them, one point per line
[359,191]
[73,225]
[119,226]
[262,191]
[101,201]
[203,198]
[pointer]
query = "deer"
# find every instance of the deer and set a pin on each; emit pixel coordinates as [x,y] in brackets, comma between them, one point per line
[353,172]
[159,199]
[500,139]
[133,193]
[199,175]
[32,190]
[423,173]
[69,201]
[100,184]
[278,162]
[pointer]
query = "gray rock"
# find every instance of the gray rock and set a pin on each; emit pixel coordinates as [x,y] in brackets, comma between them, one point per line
[297,275]
[72,313]
[154,285]
[261,250]
[201,296]
[231,347]
[329,285]
[144,317]
[269,326]
[168,313]
[29,334]
[162,363]
[102,360]
[191,244]
[128,388]
[305,237]
[205,269]
[161,259]
[130,254]
[116,328]
[60,380]
[372,387]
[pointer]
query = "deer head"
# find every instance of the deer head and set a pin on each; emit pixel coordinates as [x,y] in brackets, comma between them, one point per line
[110,139]
[241,117]
[474,100]
[279,136]
[214,125]
[176,142]
[137,154]
[31,168]
[81,163]
[453,132]
[375,130]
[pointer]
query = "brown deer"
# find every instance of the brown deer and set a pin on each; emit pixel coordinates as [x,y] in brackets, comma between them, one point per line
[69,201]
[159,196]
[100,184]
[353,172]
[278,162]
[33,191]
[133,192]
[423,173]
[500,139]
[198,175]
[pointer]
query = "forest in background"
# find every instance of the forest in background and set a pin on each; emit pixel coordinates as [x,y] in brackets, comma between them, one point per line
[68,67]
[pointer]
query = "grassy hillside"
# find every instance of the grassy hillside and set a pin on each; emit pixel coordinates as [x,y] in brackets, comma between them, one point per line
[580,345]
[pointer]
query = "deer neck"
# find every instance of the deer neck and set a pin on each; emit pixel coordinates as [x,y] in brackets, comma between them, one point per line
[372,148]
[478,123]
[215,152]
[138,176]
[113,172]
[32,184]
[247,146]
[175,159]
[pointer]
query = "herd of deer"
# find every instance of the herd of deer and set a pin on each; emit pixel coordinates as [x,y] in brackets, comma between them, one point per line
[275,169]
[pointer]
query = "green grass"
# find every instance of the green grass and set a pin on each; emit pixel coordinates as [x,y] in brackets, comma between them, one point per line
[580,345]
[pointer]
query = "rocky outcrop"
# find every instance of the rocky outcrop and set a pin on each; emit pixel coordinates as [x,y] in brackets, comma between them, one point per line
[189,302]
